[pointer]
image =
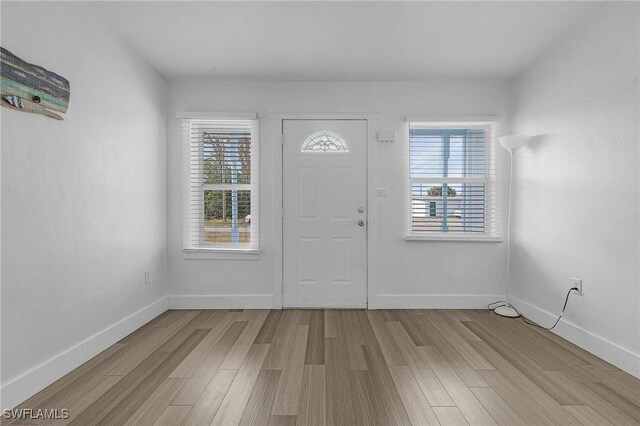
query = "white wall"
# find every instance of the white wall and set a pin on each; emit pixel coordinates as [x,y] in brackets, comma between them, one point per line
[576,211]
[418,274]
[84,199]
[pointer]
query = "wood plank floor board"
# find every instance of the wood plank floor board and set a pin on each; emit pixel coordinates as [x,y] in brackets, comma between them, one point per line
[519,401]
[414,401]
[330,323]
[213,318]
[352,338]
[538,338]
[624,404]
[187,330]
[287,398]
[544,352]
[388,346]
[522,364]
[368,337]
[496,407]
[312,410]
[189,365]
[622,382]
[145,389]
[199,380]
[586,415]
[63,389]
[315,340]
[338,393]
[461,345]
[611,412]
[410,322]
[135,351]
[268,327]
[217,317]
[455,318]
[166,318]
[84,399]
[467,373]
[173,415]
[362,403]
[137,334]
[151,408]
[107,402]
[280,340]
[464,399]
[129,359]
[548,407]
[531,353]
[258,410]
[83,390]
[436,394]
[341,367]
[304,316]
[390,314]
[383,389]
[235,401]
[450,416]
[282,421]
[456,314]
[206,407]
[587,357]
[157,319]
[236,355]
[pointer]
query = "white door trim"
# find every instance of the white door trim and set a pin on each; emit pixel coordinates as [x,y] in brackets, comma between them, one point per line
[276,125]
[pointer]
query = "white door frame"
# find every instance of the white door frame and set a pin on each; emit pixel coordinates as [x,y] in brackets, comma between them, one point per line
[276,121]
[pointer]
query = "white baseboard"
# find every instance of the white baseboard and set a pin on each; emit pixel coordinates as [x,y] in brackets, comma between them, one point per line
[222,301]
[385,301]
[622,358]
[432,301]
[33,381]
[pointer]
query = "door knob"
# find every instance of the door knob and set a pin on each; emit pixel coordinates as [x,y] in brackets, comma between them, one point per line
[360,209]
[361,222]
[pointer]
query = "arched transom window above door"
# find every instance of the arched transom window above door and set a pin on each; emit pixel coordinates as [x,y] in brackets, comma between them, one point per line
[324,142]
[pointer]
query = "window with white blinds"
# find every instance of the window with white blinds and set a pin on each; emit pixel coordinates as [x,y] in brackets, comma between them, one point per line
[452,187]
[221,210]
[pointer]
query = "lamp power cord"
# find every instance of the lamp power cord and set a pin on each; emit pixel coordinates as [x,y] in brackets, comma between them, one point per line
[528,321]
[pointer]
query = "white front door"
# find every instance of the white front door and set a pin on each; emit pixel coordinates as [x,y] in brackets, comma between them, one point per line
[325,217]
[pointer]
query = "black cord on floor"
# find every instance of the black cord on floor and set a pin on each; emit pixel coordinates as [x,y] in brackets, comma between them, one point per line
[527,321]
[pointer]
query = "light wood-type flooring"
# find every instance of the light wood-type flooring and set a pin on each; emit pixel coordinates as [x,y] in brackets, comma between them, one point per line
[346,367]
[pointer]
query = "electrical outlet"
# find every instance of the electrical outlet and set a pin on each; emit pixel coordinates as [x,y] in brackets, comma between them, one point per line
[147,278]
[577,283]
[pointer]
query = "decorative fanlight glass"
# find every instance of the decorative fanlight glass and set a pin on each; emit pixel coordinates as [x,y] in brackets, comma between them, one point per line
[324,142]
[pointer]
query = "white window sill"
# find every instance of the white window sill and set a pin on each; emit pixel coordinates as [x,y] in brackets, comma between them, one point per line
[456,238]
[220,254]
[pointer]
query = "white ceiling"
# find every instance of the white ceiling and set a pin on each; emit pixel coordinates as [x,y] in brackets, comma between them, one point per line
[341,41]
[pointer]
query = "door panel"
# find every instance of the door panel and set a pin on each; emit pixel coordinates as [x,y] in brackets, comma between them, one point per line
[324,198]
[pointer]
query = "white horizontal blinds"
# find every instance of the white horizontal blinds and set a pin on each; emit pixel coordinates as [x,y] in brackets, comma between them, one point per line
[223,197]
[452,181]
[492,226]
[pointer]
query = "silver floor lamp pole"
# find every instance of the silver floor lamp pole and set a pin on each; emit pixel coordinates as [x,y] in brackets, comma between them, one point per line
[510,143]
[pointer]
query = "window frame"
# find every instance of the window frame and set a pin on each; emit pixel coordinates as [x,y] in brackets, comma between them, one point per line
[492,223]
[196,249]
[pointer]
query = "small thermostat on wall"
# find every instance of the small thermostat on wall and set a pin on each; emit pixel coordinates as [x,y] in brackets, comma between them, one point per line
[386,137]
